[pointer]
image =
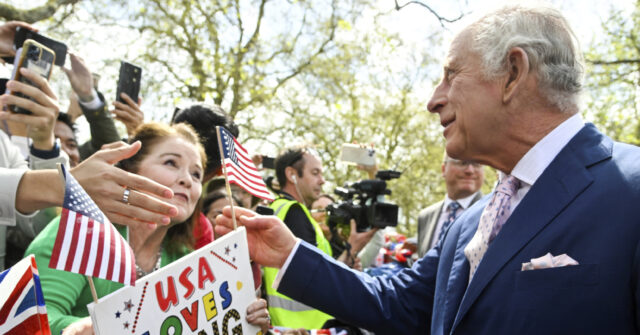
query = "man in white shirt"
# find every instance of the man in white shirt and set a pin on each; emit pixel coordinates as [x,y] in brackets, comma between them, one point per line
[463,180]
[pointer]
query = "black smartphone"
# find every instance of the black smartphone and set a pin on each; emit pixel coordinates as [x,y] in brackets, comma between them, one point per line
[129,81]
[59,48]
[37,58]
[268,162]
[3,85]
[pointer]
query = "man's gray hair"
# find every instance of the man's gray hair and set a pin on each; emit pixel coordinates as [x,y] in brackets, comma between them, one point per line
[549,42]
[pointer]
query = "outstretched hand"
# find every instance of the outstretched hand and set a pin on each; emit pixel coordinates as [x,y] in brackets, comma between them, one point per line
[80,78]
[106,183]
[270,241]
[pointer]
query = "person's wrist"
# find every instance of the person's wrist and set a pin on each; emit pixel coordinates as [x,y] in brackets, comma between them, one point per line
[44,152]
[44,144]
[86,96]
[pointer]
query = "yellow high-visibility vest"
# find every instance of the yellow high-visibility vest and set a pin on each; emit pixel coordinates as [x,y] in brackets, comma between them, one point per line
[284,311]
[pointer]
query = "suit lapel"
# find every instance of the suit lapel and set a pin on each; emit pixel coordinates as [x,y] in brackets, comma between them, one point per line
[431,223]
[563,180]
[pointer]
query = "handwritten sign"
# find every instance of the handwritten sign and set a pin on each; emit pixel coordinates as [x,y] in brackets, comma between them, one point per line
[206,293]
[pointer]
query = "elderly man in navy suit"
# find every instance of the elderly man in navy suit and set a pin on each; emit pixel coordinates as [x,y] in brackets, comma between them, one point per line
[554,249]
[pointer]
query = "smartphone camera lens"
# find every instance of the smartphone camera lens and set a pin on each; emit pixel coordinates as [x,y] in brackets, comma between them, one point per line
[33,54]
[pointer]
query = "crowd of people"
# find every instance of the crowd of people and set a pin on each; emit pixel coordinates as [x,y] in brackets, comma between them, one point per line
[508,99]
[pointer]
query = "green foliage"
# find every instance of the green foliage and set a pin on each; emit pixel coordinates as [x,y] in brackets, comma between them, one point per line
[613,79]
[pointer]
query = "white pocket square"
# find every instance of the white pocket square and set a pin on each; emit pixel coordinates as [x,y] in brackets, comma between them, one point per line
[548,261]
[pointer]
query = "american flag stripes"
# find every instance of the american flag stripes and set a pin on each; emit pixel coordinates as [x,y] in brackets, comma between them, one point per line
[22,310]
[87,243]
[240,169]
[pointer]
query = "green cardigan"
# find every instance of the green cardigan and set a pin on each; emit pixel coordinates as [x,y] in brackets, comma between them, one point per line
[67,294]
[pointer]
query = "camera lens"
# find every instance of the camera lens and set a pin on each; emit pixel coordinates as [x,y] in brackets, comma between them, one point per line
[33,53]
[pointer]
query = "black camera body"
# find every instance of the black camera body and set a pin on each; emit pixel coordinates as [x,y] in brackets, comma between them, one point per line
[361,202]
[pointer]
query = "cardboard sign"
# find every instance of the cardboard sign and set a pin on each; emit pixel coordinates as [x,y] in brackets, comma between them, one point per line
[206,292]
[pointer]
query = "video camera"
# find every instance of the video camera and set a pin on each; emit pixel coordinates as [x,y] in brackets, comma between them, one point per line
[361,202]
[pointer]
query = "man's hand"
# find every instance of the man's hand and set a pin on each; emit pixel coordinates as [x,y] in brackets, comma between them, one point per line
[129,113]
[258,315]
[80,78]
[270,241]
[106,183]
[7,34]
[359,240]
[44,107]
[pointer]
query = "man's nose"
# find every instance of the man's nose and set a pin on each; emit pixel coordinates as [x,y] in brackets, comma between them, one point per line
[438,99]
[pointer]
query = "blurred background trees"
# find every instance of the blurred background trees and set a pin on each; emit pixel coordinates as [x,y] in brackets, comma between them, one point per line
[319,71]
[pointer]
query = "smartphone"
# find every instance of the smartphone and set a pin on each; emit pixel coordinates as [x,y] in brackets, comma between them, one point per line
[59,48]
[268,162]
[129,81]
[356,154]
[37,58]
[3,85]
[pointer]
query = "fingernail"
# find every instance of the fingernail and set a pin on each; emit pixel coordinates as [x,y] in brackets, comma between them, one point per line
[173,211]
[168,194]
[166,220]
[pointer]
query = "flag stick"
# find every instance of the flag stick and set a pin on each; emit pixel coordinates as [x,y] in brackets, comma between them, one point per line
[226,179]
[93,289]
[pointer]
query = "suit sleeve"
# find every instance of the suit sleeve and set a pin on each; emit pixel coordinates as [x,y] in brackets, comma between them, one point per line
[103,128]
[401,304]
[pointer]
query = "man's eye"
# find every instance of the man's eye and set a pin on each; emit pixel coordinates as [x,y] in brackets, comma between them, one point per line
[449,73]
[171,162]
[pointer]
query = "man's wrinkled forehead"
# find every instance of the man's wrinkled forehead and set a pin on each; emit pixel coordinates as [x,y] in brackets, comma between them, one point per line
[461,43]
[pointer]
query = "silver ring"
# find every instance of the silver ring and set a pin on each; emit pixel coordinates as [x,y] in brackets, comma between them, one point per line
[125,196]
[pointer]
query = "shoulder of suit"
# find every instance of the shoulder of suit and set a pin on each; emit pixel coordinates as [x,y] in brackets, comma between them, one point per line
[435,207]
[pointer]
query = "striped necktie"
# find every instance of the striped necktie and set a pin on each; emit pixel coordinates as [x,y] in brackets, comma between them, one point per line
[452,209]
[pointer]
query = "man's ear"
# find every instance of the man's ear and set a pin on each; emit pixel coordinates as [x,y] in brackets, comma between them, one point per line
[517,71]
[291,174]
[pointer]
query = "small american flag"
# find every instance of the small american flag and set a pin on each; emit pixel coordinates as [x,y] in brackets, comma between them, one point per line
[87,243]
[240,169]
[22,309]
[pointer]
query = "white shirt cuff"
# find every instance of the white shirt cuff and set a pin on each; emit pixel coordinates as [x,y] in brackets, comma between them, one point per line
[95,103]
[284,267]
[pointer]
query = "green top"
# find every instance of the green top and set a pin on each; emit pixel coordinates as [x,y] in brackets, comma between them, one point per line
[67,294]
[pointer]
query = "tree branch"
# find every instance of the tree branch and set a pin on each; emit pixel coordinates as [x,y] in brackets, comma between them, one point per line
[613,62]
[11,13]
[441,19]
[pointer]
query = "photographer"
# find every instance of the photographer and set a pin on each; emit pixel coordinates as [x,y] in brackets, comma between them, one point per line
[299,174]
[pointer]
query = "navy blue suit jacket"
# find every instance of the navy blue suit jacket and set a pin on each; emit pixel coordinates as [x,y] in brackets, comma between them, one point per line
[586,204]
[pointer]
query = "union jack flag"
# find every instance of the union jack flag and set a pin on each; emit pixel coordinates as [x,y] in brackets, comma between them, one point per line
[23,310]
[87,243]
[240,169]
